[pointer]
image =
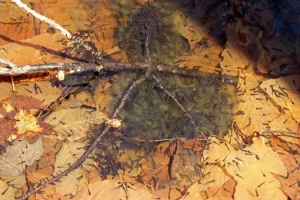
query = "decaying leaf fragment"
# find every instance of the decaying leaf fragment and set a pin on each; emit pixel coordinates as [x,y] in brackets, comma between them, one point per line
[19,156]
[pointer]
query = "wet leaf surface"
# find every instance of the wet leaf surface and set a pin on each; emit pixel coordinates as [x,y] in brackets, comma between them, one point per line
[243,58]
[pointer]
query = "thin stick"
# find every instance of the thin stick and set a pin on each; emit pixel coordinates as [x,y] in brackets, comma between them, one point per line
[12,84]
[10,66]
[178,103]
[277,131]
[93,145]
[53,24]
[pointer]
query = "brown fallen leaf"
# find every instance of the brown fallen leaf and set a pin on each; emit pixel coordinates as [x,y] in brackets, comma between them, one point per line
[113,190]
[19,156]
[17,119]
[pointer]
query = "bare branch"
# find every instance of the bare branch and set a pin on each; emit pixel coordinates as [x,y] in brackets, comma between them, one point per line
[10,64]
[43,18]
[177,102]
[97,139]
[53,24]
[280,132]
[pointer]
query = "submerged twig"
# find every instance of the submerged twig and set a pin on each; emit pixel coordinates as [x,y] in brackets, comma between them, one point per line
[95,142]
[106,129]
[281,132]
[63,31]
[9,64]
[178,103]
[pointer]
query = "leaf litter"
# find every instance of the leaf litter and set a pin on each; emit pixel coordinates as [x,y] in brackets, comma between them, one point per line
[146,158]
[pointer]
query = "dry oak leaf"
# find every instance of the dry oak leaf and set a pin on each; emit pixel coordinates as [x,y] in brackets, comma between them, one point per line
[113,190]
[6,90]
[49,193]
[285,92]
[253,169]
[40,49]
[19,156]
[14,24]
[253,111]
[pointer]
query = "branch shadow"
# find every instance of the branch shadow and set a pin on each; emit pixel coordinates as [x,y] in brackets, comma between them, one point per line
[44,49]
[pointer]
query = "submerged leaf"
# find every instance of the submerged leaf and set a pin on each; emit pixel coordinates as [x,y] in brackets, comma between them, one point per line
[69,154]
[253,169]
[74,123]
[19,156]
[113,190]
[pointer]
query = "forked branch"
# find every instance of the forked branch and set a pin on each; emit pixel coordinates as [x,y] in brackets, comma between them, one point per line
[63,31]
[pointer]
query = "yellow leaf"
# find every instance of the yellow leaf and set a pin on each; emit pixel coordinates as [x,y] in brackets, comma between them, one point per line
[26,123]
[8,108]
